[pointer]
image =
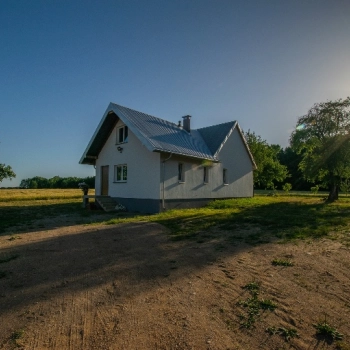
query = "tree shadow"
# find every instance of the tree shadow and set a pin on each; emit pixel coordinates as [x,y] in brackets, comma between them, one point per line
[268,222]
[23,218]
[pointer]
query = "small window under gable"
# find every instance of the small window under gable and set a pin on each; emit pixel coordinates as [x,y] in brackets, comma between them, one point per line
[205,174]
[120,173]
[122,134]
[224,176]
[181,173]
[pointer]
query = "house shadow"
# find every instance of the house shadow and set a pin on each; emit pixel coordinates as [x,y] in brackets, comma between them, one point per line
[129,258]
[19,218]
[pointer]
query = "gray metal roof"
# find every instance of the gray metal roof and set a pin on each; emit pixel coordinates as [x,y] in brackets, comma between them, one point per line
[159,135]
[214,136]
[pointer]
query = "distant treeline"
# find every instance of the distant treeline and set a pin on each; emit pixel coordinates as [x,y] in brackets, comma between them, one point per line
[57,182]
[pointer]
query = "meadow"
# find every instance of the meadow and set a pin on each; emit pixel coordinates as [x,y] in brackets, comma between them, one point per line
[24,209]
[14,195]
[284,217]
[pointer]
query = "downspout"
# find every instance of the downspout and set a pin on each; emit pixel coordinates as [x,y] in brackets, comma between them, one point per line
[163,194]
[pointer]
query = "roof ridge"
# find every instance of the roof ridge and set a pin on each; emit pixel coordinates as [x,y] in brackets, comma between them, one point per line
[210,126]
[149,115]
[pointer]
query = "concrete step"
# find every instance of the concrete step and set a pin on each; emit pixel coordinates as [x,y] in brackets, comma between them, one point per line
[107,203]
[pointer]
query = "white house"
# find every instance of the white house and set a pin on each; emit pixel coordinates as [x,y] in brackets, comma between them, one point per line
[149,164]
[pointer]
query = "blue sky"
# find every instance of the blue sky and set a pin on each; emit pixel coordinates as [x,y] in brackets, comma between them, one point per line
[263,63]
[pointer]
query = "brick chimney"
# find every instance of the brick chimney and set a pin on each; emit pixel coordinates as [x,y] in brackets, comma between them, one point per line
[187,123]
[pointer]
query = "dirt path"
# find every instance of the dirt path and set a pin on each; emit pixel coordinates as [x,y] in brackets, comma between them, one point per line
[130,287]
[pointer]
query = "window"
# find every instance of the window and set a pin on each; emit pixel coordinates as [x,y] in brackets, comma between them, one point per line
[120,173]
[122,134]
[181,174]
[224,176]
[205,175]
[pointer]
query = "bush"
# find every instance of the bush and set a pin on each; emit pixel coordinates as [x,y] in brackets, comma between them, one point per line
[287,187]
[315,189]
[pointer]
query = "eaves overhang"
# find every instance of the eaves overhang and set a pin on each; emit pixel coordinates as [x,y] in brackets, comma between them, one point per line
[255,167]
[99,138]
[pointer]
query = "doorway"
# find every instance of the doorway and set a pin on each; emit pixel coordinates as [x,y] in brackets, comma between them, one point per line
[104,180]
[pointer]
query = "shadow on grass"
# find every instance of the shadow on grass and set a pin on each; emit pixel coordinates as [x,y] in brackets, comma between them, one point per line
[27,217]
[261,223]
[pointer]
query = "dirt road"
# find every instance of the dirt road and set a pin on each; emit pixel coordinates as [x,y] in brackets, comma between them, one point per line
[131,287]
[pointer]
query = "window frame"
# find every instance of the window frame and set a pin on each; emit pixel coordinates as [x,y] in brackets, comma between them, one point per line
[181,172]
[224,176]
[122,134]
[205,174]
[123,173]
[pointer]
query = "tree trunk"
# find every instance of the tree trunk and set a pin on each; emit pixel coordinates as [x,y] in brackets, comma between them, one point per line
[333,194]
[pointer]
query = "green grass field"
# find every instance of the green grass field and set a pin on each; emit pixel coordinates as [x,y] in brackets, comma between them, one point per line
[22,209]
[255,220]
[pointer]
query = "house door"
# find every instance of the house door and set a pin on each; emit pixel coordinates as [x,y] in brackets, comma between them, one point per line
[104,180]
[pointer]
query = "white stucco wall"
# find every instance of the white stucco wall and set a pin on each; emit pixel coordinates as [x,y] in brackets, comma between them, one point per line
[143,168]
[233,157]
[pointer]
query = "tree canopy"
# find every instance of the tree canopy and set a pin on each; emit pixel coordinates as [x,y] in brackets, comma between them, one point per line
[322,138]
[6,172]
[269,170]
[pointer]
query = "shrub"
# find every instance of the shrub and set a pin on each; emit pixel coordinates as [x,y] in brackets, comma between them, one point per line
[315,189]
[287,187]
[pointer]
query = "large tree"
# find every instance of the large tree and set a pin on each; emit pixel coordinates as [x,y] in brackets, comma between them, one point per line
[322,138]
[269,170]
[6,172]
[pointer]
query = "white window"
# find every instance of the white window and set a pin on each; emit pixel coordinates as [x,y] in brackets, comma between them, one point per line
[205,175]
[224,176]
[122,134]
[120,173]
[181,173]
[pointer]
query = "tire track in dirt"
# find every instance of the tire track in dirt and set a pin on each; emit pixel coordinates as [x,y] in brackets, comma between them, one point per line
[63,322]
[87,321]
[75,328]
